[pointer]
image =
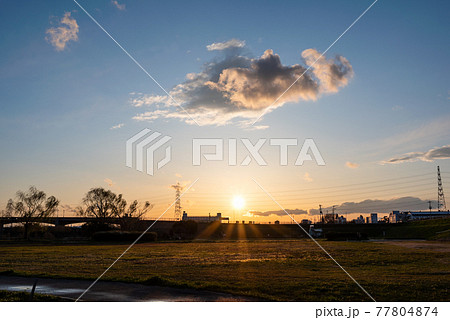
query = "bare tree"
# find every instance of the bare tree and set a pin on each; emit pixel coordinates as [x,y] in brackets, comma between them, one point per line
[105,205]
[135,210]
[129,216]
[99,203]
[31,206]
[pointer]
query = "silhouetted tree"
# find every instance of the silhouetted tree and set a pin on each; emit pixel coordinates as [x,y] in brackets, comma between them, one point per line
[105,205]
[31,206]
[99,203]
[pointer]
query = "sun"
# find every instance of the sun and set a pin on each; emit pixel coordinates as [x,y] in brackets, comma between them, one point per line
[238,202]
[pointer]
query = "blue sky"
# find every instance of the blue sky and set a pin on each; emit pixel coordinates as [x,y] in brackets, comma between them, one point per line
[58,107]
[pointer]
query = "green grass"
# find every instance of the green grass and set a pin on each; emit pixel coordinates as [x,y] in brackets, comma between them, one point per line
[282,270]
[433,229]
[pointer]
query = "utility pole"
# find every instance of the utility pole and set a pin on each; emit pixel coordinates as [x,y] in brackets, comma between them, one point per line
[429,205]
[321,213]
[441,198]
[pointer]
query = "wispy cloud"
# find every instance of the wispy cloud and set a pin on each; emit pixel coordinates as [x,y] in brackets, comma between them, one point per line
[420,135]
[117,126]
[118,5]
[233,43]
[430,155]
[351,165]
[66,31]
[235,88]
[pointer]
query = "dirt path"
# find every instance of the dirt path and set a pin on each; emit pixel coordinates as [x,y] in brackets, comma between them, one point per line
[112,291]
[420,244]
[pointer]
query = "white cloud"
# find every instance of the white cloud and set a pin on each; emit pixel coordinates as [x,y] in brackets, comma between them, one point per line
[117,126]
[233,43]
[236,88]
[66,31]
[351,165]
[118,5]
[430,155]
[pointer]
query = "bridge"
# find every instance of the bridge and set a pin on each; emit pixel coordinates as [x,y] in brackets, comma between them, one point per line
[56,221]
[63,221]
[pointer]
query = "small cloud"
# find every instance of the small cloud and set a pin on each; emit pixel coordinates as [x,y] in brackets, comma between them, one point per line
[118,126]
[233,43]
[307,177]
[351,165]
[397,108]
[118,5]
[66,31]
[109,182]
[431,155]
[178,175]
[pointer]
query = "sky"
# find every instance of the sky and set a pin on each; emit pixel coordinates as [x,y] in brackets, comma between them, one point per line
[376,104]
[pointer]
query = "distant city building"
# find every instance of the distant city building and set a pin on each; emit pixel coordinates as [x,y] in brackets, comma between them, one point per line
[306,221]
[374,218]
[367,219]
[359,220]
[403,216]
[341,220]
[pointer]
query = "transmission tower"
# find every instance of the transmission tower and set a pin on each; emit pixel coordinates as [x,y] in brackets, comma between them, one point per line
[178,188]
[441,198]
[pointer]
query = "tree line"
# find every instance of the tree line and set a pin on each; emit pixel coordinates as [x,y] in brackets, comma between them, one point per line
[33,206]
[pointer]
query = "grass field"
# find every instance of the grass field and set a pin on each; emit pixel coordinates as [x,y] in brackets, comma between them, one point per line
[286,270]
